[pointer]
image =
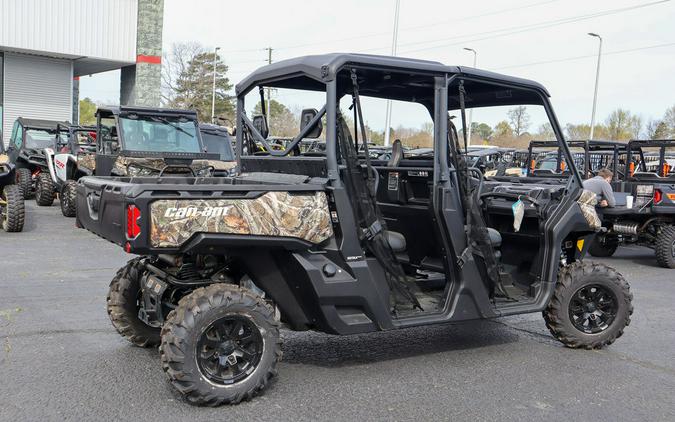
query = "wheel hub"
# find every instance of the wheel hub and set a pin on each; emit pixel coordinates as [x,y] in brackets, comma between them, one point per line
[592,308]
[229,349]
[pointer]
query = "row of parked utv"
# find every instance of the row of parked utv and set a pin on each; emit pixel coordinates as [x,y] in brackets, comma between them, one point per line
[44,159]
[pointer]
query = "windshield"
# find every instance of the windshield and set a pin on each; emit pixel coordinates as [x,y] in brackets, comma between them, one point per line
[38,139]
[159,134]
[219,144]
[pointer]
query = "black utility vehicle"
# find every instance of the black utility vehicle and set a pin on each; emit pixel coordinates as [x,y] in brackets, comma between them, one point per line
[143,141]
[11,199]
[642,170]
[26,150]
[651,219]
[342,244]
[217,140]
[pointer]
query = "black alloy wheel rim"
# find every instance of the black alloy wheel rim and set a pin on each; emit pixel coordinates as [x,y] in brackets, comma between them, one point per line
[593,308]
[229,350]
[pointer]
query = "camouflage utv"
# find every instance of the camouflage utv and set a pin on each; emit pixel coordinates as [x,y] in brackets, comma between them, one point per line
[343,243]
[143,141]
[12,211]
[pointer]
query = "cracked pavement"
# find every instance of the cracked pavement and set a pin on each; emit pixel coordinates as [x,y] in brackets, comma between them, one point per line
[61,359]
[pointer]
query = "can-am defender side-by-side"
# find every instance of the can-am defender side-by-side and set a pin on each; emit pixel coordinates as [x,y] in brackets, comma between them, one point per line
[342,244]
[12,211]
[73,144]
[144,141]
[26,150]
[217,139]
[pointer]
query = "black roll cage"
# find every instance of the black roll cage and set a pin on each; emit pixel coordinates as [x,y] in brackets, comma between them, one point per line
[638,145]
[442,83]
[588,146]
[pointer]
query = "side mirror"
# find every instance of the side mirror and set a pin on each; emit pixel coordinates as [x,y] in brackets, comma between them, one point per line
[260,124]
[305,117]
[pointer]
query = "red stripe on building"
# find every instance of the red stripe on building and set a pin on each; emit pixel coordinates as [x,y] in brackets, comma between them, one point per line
[141,58]
[76,78]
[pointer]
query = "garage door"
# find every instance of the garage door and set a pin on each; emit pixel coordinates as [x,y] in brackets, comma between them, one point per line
[36,87]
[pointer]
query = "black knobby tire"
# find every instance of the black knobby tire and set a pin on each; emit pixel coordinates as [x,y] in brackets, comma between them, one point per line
[14,213]
[586,276]
[123,305]
[602,247]
[24,180]
[44,190]
[665,247]
[185,340]
[68,198]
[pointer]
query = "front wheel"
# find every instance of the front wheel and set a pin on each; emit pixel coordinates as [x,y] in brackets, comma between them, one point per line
[12,207]
[665,247]
[591,306]
[220,345]
[68,197]
[44,190]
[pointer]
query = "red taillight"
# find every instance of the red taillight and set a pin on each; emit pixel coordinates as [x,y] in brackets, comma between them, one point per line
[133,214]
[658,196]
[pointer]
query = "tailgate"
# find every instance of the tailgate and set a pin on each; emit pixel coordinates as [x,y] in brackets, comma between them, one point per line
[101,207]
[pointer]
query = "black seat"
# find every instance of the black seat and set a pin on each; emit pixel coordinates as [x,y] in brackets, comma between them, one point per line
[396,154]
[396,241]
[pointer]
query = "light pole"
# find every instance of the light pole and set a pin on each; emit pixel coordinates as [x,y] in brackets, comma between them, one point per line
[394,44]
[213,98]
[597,79]
[475,55]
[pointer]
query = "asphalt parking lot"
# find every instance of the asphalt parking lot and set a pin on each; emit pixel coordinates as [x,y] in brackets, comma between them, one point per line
[60,357]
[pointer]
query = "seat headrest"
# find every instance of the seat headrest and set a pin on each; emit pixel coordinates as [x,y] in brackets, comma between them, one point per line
[396,154]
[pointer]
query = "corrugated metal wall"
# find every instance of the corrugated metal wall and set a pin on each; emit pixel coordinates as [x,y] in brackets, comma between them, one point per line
[104,29]
[36,87]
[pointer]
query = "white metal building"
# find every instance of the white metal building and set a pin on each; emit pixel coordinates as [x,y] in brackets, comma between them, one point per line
[45,45]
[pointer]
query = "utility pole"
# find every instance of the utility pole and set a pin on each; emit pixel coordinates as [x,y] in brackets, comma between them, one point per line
[471,111]
[269,90]
[597,79]
[394,48]
[213,97]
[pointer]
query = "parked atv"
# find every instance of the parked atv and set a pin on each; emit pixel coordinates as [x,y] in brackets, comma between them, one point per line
[26,151]
[12,211]
[76,145]
[642,171]
[143,141]
[217,140]
[343,244]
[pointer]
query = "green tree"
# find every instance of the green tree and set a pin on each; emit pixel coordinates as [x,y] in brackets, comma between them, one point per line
[669,120]
[194,88]
[87,111]
[283,122]
[503,130]
[519,120]
[481,130]
[622,125]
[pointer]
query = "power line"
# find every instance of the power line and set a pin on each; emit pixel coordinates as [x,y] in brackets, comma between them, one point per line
[424,26]
[566,59]
[531,27]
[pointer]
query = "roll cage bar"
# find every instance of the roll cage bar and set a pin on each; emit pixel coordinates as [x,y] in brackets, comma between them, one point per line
[636,147]
[589,147]
[378,77]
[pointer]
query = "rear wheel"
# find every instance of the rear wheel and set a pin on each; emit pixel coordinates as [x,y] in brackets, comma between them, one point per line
[665,247]
[124,303]
[220,345]
[24,180]
[67,198]
[603,245]
[12,206]
[44,190]
[591,306]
